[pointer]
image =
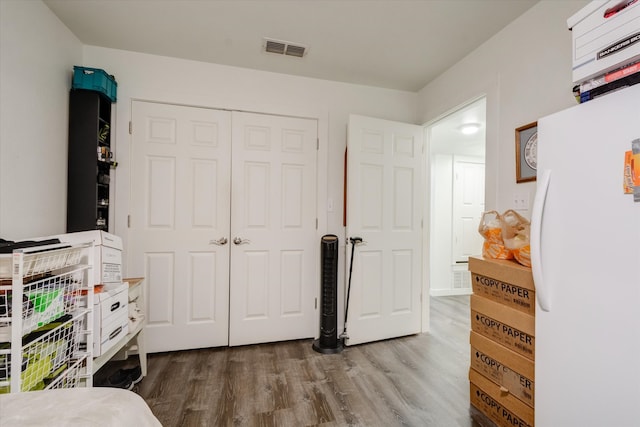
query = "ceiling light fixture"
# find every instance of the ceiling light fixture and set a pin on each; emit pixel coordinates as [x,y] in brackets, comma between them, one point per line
[469,128]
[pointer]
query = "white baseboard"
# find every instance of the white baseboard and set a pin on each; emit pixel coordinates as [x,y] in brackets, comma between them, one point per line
[449,292]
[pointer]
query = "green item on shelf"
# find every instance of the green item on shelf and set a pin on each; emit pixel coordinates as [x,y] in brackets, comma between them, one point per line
[43,299]
[39,386]
[49,304]
[33,375]
[104,131]
[53,375]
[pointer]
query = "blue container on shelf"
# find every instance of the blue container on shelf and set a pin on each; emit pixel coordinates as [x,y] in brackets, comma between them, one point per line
[95,79]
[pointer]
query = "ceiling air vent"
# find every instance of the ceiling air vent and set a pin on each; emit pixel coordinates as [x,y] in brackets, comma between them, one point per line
[293,50]
[284,48]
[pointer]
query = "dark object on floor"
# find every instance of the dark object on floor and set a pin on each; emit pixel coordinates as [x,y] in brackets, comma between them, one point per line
[119,379]
[135,374]
[328,342]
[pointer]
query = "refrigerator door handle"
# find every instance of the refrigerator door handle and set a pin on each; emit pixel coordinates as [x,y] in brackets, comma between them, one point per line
[542,289]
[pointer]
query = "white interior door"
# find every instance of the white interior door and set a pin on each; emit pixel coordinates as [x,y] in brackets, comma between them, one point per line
[179,222]
[384,207]
[468,205]
[274,247]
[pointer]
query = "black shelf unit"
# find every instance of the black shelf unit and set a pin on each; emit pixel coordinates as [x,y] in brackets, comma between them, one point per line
[89,161]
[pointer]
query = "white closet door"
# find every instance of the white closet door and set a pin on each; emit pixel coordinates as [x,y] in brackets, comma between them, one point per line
[384,207]
[468,205]
[274,247]
[180,195]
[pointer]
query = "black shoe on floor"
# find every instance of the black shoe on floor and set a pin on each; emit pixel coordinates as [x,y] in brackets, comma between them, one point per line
[135,374]
[118,380]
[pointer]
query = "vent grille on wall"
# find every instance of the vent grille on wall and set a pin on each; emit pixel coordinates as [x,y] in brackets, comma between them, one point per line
[461,279]
[284,48]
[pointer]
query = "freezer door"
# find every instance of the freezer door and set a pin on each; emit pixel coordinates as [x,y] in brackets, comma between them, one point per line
[588,237]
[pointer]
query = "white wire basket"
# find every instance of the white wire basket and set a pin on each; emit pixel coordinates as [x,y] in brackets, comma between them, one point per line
[73,377]
[41,262]
[47,355]
[46,303]
[43,300]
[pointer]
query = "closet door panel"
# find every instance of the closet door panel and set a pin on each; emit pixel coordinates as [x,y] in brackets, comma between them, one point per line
[179,222]
[273,213]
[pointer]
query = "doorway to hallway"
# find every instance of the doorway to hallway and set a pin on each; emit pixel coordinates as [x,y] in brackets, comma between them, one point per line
[457,182]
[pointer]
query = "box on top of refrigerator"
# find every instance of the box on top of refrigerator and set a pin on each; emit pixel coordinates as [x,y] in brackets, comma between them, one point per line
[605,36]
[107,255]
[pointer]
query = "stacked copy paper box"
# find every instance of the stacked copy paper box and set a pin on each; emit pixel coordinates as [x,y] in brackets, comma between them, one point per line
[502,342]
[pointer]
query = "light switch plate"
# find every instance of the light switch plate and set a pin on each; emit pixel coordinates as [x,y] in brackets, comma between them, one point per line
[521,201]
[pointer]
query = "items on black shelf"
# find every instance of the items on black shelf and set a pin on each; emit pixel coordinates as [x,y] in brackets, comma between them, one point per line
[95,79]
[630,80]
[90,161]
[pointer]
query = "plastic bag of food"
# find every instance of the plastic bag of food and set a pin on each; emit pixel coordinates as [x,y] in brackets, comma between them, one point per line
[490,229]
[516,232]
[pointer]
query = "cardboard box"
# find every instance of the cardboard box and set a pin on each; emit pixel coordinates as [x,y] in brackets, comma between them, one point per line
[501,408]
[110,317]
[107,255]
[512,372]
[511,328]
[110,333]
[605,37]
[504,281]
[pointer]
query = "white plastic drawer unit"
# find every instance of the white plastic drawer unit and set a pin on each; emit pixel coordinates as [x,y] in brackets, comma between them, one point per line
[112,302]
[111,317]
[110,334]
[606,36]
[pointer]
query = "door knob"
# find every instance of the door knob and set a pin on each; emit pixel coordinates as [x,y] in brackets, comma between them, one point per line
[220,242]
[240,241]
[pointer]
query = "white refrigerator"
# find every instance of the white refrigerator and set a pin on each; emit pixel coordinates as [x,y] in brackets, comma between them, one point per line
[585,244]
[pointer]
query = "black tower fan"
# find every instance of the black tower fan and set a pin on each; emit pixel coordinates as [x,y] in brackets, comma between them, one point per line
[328,341]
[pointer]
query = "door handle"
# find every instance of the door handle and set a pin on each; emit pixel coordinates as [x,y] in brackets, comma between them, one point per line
[220,242]
[240,241]
[542,287]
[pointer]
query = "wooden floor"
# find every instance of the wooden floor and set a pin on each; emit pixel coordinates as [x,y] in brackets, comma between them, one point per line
[419,380]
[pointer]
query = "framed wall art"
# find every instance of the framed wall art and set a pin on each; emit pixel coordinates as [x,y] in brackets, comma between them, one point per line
[526,152]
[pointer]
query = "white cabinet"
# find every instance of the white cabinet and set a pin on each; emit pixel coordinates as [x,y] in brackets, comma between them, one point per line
[117,340]
[46,305]
[111,317]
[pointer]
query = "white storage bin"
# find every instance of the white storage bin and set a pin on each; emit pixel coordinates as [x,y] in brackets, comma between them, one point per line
[110,317]
[606,36]
[110,334]
[107,256]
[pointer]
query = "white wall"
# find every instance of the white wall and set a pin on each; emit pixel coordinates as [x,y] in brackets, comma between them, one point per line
[156,78]
[441,223]
[164,79]
[150,77]
[525,71]
[37,54]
